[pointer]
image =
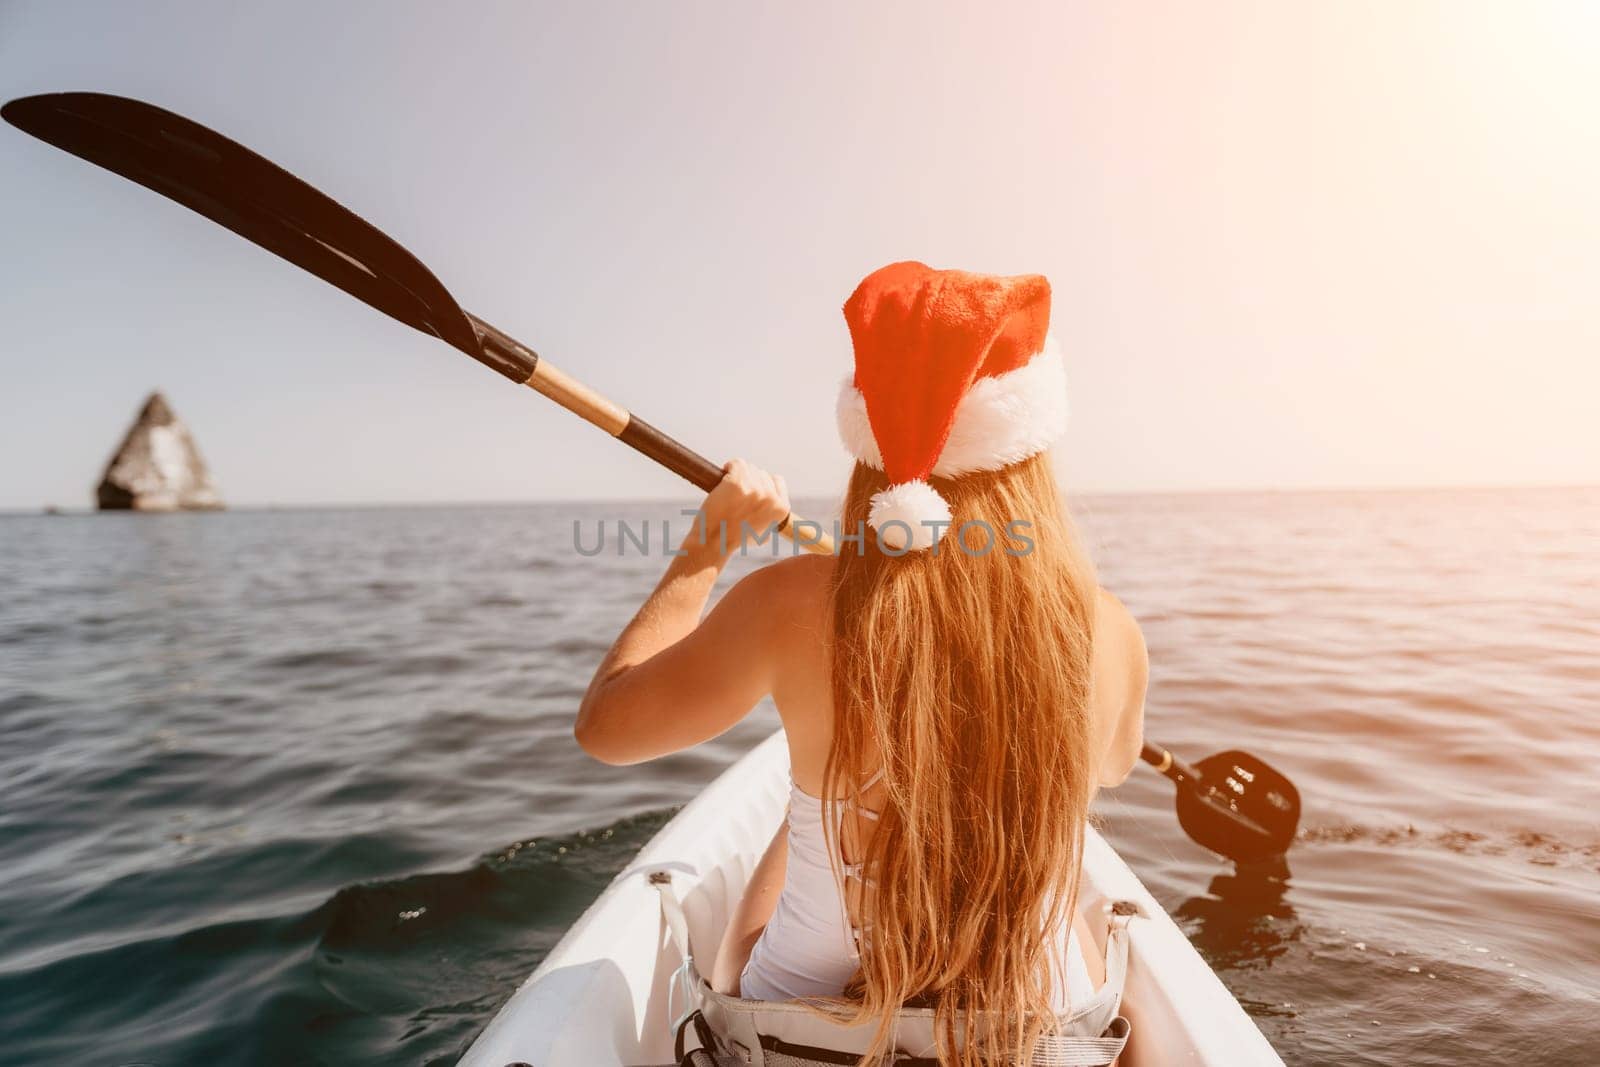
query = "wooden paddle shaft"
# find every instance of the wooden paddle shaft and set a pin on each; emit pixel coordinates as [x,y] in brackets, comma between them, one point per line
[516,361]
[1168,764]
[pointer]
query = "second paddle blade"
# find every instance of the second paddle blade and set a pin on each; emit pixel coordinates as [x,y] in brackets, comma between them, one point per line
[1241,808]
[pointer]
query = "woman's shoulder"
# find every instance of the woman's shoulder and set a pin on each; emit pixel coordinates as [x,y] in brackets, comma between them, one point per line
[787,598]
[1115,628]
[1120,655]
[805,577]
[1121,677]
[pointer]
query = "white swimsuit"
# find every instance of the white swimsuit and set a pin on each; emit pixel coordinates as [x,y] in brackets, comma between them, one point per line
[808,949]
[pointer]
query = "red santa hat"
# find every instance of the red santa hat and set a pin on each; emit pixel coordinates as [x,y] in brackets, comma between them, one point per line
[954,374]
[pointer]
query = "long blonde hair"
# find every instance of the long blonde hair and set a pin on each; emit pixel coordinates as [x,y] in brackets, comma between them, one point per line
[964,675]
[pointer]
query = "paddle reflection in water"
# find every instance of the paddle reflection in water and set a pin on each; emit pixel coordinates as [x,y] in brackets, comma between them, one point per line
[1244,917]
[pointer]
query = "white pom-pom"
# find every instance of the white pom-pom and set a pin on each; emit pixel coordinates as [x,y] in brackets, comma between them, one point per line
[908,516]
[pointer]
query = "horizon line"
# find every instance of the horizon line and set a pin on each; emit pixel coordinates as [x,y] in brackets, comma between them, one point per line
[349,505]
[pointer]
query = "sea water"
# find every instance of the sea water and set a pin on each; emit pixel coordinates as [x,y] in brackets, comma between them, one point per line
[292,787]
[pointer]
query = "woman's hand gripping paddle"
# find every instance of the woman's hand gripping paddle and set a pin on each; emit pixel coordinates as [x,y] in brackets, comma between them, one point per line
[265,204]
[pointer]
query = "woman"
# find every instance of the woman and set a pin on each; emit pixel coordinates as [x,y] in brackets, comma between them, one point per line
[953,684]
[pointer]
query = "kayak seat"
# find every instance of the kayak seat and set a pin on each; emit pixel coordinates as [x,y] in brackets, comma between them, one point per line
[713,1029]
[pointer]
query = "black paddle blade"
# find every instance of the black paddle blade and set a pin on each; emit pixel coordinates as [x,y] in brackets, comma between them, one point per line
[256,199]
[1240,807]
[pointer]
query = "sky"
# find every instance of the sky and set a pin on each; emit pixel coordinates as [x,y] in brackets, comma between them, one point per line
[1292,245]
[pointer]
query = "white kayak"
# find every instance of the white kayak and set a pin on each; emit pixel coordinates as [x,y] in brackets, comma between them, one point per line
[600,999]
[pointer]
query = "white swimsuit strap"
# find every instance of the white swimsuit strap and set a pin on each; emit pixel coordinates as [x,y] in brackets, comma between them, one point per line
[861,809]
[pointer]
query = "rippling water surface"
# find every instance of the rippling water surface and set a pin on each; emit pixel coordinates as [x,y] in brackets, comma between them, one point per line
[299,787]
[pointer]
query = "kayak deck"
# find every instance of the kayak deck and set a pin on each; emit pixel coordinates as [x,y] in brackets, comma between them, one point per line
[600,999]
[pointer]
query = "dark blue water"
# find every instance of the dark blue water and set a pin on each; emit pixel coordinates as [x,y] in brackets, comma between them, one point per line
[299,787]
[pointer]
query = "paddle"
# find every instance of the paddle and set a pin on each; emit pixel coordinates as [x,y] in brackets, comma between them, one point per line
[265,204]
[1232,803]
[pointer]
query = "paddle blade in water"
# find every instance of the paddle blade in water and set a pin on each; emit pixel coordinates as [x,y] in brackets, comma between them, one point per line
[256,199]
[1240,807]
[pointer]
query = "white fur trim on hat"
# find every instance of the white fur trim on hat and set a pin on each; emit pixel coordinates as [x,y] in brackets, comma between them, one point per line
[1002,420]
[916,504]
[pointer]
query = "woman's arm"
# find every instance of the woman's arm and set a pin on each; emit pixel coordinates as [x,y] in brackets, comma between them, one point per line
[670,680]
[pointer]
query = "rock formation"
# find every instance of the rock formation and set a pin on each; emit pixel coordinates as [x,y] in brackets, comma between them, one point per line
[157,467]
